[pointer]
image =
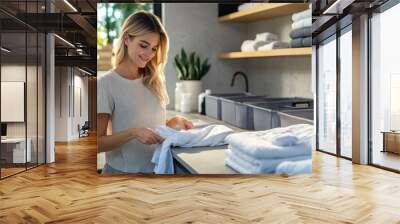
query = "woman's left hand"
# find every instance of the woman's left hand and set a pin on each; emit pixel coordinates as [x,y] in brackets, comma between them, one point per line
[181,122]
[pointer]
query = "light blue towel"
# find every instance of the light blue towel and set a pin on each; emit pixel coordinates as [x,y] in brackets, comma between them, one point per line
[260,144]
[285,139]
[212,135]
[246,164]
[294,167]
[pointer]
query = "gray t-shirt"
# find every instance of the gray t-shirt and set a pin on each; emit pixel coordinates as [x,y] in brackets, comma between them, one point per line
[131,105]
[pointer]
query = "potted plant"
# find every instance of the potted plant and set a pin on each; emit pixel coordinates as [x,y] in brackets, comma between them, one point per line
[190,70]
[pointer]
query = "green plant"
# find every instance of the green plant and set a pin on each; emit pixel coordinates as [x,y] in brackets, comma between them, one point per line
[190,67]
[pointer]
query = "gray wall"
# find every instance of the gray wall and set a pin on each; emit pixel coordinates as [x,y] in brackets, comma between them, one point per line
[281,76]
[195,27]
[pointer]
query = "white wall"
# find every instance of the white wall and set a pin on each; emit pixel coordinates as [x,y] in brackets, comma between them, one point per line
[195,27]
[66,120]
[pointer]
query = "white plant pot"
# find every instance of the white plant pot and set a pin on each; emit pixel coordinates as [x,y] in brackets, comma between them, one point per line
[194,87]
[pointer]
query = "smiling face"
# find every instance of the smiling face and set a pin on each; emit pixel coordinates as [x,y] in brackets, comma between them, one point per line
[143,48]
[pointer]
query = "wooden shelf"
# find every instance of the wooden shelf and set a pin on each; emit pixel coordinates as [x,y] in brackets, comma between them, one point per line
[306,51]
[264,11]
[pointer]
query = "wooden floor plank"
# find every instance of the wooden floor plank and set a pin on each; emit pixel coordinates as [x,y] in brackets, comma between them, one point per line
[71,191]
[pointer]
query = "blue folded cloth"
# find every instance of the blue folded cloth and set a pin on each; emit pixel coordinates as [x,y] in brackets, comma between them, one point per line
[294,167]
[301,42]
[300,32]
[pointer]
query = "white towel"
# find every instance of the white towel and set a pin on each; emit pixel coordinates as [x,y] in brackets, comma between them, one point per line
[212,135]
[266,36]
[248,45]
[286,139]
[254,165]
[294,167]
[259,144]
[273,45]
[246,6]
[302,23]
[301,15]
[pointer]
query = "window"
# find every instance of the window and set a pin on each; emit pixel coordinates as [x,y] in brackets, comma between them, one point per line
[385,87]
[327,95]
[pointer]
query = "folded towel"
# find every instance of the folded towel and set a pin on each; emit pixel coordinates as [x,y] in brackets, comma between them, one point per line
[301,23]
[294,167]
[253,45]
[246,6]
[212,135]
[273,45]
[286,139]
[256,165]
[301,15]
[301,42]
[266,36]
[301,32]
[248,45]
[259,144]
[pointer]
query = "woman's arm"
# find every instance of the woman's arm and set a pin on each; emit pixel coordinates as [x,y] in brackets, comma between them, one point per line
[111,142]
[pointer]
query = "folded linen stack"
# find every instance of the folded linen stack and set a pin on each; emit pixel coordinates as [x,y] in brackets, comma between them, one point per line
[263,151]
[263,41]
[301,29]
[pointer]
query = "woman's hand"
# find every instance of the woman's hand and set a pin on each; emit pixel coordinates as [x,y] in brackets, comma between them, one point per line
[181,122]
[147,136]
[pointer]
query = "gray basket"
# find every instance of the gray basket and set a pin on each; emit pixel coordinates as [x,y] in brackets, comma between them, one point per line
[292,117]
[213,103]
[264,116]
[234,110]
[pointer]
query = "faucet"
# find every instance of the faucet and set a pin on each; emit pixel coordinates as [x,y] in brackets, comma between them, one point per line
[245,79]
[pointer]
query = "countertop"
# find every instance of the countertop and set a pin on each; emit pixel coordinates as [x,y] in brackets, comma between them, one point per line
[202,160]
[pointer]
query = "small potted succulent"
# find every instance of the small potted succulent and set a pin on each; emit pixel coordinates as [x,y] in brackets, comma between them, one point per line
[190,70]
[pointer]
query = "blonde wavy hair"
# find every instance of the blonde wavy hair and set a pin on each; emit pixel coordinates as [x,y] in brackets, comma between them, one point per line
[152,74]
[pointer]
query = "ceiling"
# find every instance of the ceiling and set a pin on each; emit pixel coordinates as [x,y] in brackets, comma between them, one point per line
[74,21]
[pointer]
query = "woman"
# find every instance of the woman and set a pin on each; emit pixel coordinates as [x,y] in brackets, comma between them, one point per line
[132,97]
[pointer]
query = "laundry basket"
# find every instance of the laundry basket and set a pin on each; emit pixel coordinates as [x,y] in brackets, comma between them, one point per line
[213,103]
[234,111]
[291,117]
[264,116]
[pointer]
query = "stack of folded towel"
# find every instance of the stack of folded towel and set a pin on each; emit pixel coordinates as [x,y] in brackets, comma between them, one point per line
[262,42]
[301,29]
[263,151]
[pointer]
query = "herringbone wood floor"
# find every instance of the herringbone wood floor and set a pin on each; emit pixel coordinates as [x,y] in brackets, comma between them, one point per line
[70,191]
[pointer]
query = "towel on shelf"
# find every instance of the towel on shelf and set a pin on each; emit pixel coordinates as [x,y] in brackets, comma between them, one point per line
[246,6]
[255,165]
[259,144]
[294,167]
[302,23]
[248,45]
[212,135]
[307,41]
[300,32]
[301,42]
[273,45]
[266,36]
[301,15]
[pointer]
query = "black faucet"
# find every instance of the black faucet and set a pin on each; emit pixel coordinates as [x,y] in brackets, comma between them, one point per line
[245,79]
